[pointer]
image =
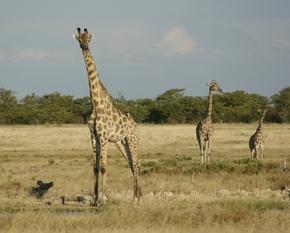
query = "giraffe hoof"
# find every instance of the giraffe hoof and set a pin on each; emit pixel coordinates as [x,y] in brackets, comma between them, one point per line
[136,201]
[139,193]
[104,199]
[95,204]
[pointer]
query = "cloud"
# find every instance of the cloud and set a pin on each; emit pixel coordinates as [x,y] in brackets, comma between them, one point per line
[281,44]
[31,54]
[177,41]
[27,55]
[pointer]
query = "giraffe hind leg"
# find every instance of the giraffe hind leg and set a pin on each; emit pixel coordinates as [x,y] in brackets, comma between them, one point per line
[120,146]
[208,150]
[134,165]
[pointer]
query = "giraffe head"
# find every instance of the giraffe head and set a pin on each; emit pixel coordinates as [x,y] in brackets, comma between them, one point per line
[83,38]
[214,86]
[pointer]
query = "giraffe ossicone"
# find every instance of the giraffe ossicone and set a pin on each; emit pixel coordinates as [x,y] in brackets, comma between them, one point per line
[107,124]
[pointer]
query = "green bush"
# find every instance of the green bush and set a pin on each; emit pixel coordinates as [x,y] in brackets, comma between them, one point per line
[184,165]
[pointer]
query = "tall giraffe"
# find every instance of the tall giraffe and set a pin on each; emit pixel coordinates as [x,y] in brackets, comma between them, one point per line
[256,141]
[205,128]
[107,124]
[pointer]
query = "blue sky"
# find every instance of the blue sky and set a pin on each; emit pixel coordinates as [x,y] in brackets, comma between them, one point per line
[145,47]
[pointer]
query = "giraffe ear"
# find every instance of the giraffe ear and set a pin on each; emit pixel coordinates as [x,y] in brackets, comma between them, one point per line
[75,36]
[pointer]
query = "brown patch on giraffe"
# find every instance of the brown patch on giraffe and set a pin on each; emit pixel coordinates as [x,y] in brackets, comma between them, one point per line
[117,128]
[90,72]
[115,117]
[100,111]
[94,88]
[104,119]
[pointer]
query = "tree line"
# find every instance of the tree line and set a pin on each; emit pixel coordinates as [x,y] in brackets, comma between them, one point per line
[170,107]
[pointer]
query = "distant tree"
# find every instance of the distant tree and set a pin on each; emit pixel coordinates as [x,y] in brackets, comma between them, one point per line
[82,109]
[239,106]
[57,108]
[168,108]
[8,104]
[171,107]
[281,103]
[29,110]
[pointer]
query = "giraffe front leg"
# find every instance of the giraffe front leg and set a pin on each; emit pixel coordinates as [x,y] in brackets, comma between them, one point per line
[256,152]
[262,152]
[253,153]
[91,125]
[97,152]
[205,151]
[208,150]
[103,167]
[202,150]
[96,173]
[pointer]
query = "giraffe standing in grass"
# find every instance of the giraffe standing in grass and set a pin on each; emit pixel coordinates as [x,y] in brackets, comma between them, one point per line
[256,142]
[107,124]
[205,128]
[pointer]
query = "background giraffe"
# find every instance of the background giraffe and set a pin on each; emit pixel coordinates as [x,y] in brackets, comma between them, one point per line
[256,142]
[204,128]
[107,124]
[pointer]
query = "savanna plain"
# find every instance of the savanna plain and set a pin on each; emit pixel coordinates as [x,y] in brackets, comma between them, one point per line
[232,193]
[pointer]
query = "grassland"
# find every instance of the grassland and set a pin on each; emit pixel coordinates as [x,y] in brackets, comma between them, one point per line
[231,194]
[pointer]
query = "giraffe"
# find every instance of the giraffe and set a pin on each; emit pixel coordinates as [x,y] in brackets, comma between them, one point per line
[256,141]
[107,124]
[205,128]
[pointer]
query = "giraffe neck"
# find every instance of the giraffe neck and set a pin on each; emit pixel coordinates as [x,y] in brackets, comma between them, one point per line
[98,94]
[260,125]
[209,107]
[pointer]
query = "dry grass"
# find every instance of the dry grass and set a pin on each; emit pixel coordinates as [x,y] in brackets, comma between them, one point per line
[214,200]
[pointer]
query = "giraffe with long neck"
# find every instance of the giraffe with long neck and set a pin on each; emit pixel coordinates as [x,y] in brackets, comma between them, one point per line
[256,141]
[205,128]
[107,124]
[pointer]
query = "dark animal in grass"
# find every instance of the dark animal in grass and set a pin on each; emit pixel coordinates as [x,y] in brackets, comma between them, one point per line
[41,189]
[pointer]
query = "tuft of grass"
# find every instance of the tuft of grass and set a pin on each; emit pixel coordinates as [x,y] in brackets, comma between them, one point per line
[179,164]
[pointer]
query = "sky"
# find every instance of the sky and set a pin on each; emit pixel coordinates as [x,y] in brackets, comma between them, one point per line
[144,47]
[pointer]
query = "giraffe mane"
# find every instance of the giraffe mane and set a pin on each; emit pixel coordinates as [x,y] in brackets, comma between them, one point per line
[104,89]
